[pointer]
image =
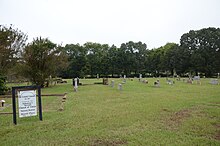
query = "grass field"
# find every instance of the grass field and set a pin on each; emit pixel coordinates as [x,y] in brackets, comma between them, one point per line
[140,114]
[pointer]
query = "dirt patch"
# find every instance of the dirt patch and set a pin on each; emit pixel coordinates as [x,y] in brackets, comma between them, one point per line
[104,142]
[176,119]
[217,135]
[180,115]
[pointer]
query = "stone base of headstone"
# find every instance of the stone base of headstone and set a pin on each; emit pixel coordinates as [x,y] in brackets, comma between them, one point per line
[75,89]
[190,81]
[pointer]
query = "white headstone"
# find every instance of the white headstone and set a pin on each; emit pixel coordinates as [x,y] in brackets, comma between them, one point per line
[75,85]
[140,77]
[97,76]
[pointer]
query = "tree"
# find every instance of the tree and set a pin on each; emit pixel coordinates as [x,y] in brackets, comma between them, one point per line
[41,60]
[203,50]
[12,42]
[169,58]
[97,55]
[77,58]
[3,87]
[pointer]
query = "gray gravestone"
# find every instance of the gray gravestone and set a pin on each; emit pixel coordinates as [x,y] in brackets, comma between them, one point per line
[75,85]
[197,79]
[157,83]
[120,87]
[214,82]
[112,83]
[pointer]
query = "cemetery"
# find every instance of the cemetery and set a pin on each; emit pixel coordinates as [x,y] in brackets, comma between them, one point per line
[96,94]
[121,113]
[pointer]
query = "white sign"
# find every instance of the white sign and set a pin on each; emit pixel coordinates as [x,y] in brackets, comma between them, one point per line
[27,103]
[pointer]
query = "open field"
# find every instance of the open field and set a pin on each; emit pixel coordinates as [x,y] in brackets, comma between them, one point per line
[140,114]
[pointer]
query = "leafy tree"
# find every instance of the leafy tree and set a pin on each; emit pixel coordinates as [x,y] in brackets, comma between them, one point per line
[97,54]
[41,59]
[77,61]
[169,58]
[12,41]
[131,57]
[203,50]
[3,87]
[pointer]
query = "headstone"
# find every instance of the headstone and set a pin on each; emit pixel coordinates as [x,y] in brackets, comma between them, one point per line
[214,82]
[157,83]
[120,87]
[124,79]
[145,81]
[197,79]
[112,83]
[140,77]
[97,76]
[75,84]
[105,81]
[218,75]
[170,82]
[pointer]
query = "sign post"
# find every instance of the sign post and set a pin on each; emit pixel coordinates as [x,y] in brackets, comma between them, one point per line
[26,102]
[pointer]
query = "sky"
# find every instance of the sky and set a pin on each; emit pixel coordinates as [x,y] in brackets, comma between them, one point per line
[154,22]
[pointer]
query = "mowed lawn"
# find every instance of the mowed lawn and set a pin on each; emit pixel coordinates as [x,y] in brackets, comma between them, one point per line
[140,114]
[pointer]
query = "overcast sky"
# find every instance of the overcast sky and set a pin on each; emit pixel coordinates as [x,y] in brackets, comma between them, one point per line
[154,22]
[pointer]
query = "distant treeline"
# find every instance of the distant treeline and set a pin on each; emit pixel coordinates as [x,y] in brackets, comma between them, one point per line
[198,53]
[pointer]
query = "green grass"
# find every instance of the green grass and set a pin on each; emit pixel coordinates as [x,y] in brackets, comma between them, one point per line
[140,114]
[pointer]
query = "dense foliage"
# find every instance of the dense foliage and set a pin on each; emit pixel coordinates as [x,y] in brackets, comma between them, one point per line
[3,87]
[42,59]
[12,41]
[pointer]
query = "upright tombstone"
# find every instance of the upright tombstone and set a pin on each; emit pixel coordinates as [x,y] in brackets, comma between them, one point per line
[157,83]
[140,77]
[112,83]
[218,75]
[119,86]
[97,76]
[124,79]
[197,79]
[75,84]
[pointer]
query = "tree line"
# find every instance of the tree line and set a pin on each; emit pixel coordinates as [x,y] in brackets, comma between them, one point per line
[198,52]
